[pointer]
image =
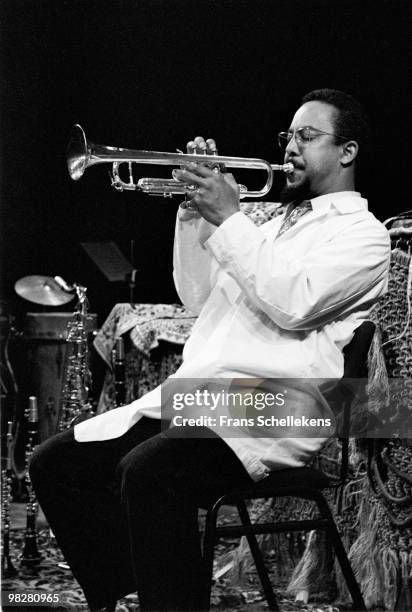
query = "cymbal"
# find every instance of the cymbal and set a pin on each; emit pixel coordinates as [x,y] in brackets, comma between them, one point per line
[42,290]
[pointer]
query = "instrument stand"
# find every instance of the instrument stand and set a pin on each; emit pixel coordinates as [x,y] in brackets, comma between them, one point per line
[131,281]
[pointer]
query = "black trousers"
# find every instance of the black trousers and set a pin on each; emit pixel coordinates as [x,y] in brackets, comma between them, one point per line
[124,511]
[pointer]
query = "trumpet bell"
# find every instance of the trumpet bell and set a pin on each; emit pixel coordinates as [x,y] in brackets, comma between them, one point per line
[77,153]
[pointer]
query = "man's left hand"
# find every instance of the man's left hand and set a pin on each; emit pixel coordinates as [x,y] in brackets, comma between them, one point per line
[215,195]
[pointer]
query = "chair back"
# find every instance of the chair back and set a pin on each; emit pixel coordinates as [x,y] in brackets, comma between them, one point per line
[355,367]
[356,352]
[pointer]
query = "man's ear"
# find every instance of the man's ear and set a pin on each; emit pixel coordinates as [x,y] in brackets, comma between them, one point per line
[349,152]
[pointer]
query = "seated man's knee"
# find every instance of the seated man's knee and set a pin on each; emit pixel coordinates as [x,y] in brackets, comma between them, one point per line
[45,459]
[137,471]
[131,472]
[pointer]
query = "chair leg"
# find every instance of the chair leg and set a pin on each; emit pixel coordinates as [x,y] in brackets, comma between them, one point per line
[340,552]
[257,557]
[209,553]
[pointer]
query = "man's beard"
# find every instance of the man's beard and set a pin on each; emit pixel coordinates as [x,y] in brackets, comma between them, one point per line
[292,193]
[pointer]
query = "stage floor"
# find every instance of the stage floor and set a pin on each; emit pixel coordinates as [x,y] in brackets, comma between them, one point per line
[52,576]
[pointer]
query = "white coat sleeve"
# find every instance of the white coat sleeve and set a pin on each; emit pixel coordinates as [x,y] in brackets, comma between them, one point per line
[194,268]
[338,275]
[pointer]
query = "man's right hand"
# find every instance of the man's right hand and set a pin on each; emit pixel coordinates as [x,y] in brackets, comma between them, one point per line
[198,146]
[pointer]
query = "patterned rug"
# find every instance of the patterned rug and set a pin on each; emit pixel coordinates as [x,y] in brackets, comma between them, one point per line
[51,576]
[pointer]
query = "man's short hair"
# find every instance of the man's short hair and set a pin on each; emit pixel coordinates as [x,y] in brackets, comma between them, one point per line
[350,121]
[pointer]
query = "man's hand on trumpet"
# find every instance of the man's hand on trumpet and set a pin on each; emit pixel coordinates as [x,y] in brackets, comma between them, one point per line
[215,196]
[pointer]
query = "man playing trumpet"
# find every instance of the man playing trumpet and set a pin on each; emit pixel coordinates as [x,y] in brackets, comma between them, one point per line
[277,301]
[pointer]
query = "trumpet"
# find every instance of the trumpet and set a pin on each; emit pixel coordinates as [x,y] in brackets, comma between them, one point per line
[81,154]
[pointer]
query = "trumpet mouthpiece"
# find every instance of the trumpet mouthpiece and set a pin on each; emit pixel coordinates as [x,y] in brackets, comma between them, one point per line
[287,168]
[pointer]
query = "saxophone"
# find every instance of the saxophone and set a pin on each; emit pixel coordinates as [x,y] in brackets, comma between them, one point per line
[75,405]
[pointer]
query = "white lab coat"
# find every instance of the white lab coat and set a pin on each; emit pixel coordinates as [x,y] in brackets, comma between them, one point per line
[270,308]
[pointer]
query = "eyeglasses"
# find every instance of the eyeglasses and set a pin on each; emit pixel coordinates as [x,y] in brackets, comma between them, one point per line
[303,136]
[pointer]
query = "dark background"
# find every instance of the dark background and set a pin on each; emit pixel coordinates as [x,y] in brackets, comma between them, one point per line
[152,74]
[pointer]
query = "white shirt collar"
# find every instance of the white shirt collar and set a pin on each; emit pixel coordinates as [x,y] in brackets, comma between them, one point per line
[343,201]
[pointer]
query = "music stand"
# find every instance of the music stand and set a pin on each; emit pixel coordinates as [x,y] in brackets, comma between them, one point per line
[112,263]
